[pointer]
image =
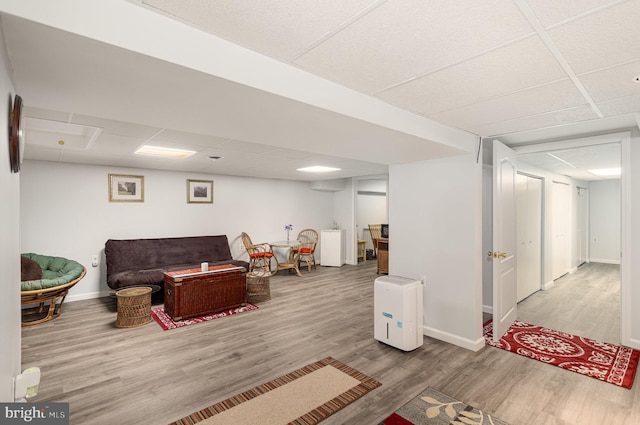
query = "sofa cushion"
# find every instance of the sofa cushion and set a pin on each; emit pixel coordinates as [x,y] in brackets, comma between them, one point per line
[30,270]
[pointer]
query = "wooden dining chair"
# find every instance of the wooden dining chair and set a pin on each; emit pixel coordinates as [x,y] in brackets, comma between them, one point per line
[308,240]
[376,233]
[260,254]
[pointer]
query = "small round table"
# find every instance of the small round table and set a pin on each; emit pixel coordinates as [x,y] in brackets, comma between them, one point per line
[258,286]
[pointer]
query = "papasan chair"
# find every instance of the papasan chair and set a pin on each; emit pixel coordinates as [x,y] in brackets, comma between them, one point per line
[45,282]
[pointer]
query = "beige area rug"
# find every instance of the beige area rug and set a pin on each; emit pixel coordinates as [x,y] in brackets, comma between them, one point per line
[303,397]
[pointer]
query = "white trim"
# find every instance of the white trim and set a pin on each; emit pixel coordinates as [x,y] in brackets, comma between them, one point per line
[87,296]
[625,243]
[604,261]
[548,285]
[454,339]
[487,309]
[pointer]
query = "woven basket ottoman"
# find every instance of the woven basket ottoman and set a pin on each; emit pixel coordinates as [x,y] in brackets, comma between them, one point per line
[134,307]
[258,286]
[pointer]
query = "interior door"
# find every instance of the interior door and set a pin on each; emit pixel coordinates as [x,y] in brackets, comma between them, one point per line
[582,232]
[529,234]
[504,239]
[560,224]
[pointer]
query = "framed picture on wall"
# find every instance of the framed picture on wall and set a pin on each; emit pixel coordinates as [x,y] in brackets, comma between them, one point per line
[123,188]
[200,191]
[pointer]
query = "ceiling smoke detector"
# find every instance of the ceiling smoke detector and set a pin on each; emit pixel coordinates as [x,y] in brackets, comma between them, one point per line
[637,79]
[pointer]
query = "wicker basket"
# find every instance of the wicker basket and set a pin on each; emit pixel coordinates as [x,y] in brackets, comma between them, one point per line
[134,307]
[258,287]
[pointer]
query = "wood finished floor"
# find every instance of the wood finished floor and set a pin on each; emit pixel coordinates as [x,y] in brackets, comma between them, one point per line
[149,376]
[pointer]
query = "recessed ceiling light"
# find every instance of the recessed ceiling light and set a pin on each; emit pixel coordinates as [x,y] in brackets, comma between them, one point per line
[606,172]
[164,152]
[318,169]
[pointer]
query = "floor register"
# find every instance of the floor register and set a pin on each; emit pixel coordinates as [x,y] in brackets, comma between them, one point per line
[397,307]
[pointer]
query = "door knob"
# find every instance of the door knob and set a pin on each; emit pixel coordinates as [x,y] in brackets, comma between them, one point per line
[496,254]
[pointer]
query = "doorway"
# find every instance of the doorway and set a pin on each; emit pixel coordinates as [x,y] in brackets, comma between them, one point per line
[569,237]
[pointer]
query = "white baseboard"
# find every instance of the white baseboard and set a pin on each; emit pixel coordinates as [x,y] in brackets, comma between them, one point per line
[487,309]
[604,261]
[548,285]
[86,296]
[454,339]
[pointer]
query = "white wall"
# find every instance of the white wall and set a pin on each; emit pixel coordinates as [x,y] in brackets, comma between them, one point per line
[10,341]
[604,221]
[66,212]
[437,230]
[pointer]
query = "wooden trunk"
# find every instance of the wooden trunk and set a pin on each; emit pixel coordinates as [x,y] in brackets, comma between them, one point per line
[192,293]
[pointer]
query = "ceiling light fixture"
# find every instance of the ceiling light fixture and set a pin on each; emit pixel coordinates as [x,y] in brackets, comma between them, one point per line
[637,79]
[318,169]
[215,158]
[606,172]
[164,152]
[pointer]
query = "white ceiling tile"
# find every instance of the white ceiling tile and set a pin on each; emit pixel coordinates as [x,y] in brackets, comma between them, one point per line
[537,100]
[184,138]
[116,127]
[45,114]
[620,106]
[248,147]
[551,119]
[612,83]
[552,11]
[116,145]
[278,28]
[41,154]
[405,38]
[514,67]
[602,39]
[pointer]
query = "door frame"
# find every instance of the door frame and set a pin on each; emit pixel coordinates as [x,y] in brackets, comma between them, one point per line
[624,138]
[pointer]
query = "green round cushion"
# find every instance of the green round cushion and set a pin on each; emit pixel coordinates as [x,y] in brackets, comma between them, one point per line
[56,271]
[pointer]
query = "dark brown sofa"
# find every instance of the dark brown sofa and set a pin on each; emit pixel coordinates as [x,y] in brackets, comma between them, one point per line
[133,262]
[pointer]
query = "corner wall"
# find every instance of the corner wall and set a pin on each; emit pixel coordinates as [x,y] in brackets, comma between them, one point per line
[435,210]
[66,212]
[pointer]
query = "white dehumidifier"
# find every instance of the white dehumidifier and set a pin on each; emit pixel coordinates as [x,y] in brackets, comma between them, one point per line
[397,308]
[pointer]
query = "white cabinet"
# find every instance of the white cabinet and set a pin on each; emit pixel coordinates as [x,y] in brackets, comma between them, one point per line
[333,247]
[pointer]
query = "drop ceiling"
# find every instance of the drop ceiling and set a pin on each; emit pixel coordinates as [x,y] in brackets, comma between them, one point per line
[513,70]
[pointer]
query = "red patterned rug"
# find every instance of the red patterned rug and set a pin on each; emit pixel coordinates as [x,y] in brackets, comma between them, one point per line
[601,360]
[166,322]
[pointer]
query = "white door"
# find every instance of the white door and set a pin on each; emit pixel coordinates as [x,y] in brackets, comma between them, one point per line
[504,239]
[582,233]
[561,219]
[529,234]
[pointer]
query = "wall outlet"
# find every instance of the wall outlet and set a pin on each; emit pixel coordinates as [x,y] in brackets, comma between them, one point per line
[94,261]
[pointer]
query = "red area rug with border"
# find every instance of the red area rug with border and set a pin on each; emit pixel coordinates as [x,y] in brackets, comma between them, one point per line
[166,322]
[600,360]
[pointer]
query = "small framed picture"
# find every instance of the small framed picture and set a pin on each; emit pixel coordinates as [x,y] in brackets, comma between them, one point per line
[123,188]
[200,191]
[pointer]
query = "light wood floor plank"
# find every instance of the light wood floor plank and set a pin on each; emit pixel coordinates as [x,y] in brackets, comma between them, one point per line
[149,376]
